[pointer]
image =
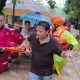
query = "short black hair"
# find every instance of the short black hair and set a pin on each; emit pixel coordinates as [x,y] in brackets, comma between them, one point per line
[44,24]
[27,22]
[2,14]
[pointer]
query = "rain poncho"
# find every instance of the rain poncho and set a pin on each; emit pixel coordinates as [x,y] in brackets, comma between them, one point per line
[65,38]
[62,35]
[59,63]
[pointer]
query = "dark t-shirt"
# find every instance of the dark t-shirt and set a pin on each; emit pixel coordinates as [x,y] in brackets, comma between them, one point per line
[42,55]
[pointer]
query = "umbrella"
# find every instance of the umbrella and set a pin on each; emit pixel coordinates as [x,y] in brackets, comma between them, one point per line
[34,18]
[28,5]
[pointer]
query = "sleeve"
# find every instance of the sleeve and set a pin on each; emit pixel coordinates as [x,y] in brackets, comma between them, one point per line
[57,48]
[9,41]
[21,39]
[70,39]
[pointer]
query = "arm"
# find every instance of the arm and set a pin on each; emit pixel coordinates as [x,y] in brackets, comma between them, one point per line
[71,40]
[59,50]
[26,46]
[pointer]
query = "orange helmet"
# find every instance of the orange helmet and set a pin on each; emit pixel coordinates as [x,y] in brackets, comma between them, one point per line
[57,21]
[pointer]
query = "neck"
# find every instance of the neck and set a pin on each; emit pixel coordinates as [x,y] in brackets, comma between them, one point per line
[43,40]
[18,31]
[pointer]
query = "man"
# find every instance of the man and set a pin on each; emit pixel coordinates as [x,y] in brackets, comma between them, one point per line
[43,47]
[4,42]
[16,37]
[27,30]
[62,35]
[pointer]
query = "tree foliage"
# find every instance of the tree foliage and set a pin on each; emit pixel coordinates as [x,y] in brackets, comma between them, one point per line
[72,8]
[16,1]
[52,4]
[2,4]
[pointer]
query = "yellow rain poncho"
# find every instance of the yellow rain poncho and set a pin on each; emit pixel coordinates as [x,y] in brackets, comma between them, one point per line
[59,63]
[70,39]
[65,38]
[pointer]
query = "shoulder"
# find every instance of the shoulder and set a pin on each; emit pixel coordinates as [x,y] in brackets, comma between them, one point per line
[32,37]
[53,40]
[7,30]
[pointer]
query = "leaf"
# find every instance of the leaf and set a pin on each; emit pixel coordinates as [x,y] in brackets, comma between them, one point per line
[52,4]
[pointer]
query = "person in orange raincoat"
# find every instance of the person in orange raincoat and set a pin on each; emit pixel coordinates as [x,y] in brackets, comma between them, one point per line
[65,38]
[62,34]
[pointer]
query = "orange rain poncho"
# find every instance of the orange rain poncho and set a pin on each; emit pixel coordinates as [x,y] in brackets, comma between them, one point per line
[60,33]
[64,37]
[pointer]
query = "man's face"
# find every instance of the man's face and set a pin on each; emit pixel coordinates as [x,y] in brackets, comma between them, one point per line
[16,26]
[2,21]
[41,32]
[27,26]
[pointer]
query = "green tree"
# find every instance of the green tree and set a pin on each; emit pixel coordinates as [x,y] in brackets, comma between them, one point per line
[72,8]
[38,0]
[15,2]
[2,4]
[67,6]
[51,3]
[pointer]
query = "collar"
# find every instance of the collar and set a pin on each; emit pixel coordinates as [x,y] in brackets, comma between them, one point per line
[2,27]
[46,41]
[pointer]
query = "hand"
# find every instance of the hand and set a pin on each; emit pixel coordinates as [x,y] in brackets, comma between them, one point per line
[2,49]
[28,50]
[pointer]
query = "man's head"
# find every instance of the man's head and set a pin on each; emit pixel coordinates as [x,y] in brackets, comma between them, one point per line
[2,20]
[27,25]
[17,25]
[42,29]
[57,21]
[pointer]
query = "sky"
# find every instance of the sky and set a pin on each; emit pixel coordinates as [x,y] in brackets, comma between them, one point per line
[8,1]
[60,3]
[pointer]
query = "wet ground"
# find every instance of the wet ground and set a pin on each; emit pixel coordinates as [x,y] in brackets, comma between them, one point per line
[20,71]
[17,71]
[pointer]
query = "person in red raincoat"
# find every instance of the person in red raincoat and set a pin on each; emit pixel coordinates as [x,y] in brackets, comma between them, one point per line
[16,37]
[5,41]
